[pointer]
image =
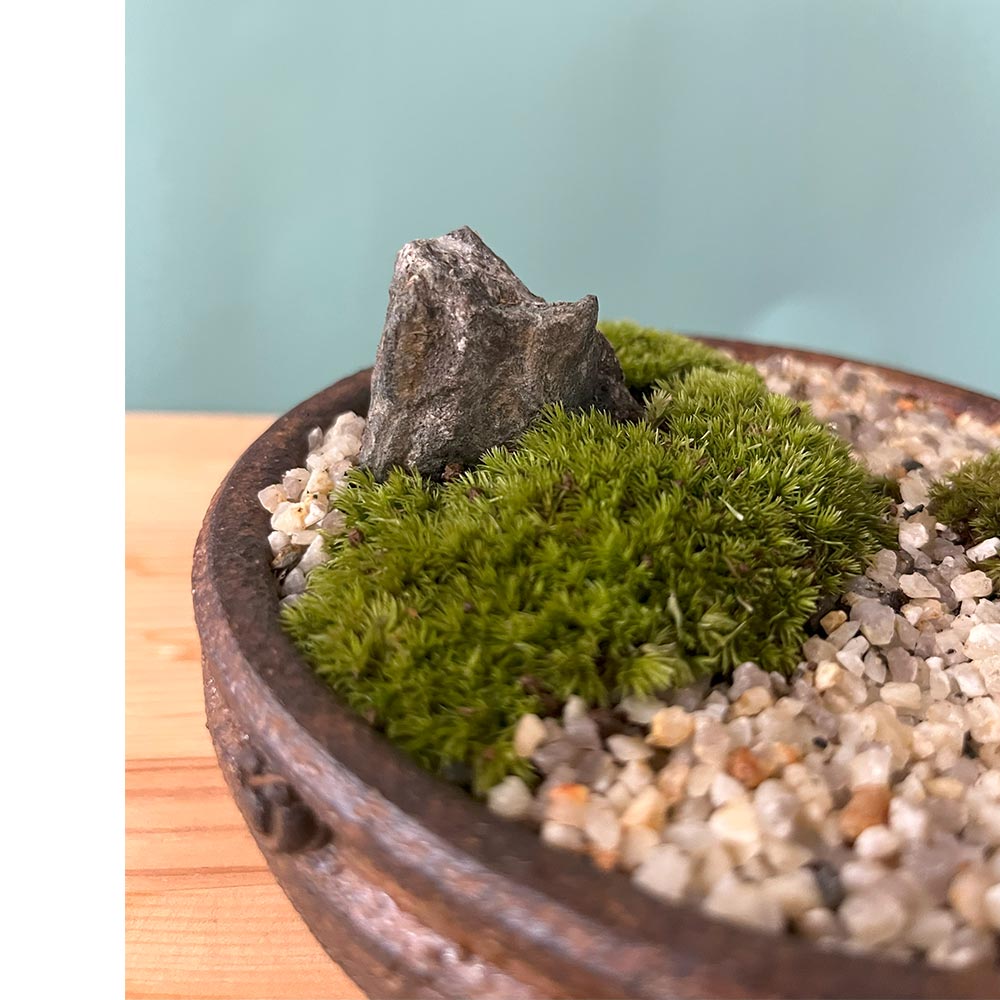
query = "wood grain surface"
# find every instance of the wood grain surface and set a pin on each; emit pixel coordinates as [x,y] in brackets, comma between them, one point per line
[204,917]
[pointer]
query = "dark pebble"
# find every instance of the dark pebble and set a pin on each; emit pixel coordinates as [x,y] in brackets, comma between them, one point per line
[828,882]
[911,465]
[821,741]
[895,599]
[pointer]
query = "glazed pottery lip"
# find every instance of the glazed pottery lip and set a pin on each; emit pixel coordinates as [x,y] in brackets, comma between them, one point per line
[236,606]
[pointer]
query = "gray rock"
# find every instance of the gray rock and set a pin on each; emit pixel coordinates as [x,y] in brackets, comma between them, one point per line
[469,357]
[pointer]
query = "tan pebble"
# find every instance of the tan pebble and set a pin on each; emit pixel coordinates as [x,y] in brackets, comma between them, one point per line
[753,701]
[744,766]
[670,727]
[637,842]
[868,806]
[648,808]
[529,733]
[736,823]
[831,621]
[945,787]
[967,894]
[671,781]
[567,803]
[827,674]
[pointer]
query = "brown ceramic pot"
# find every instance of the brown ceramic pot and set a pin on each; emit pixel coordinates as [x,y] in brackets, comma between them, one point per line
[412,887]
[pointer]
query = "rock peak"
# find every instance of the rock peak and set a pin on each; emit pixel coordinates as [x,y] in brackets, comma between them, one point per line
[469,356]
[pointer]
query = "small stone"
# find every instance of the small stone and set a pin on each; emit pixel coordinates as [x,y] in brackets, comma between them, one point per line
[670,727]
[752,702]
[671,781]
[872,918]
[560,835]
[930,927]
[905,696]
[567,803]
[983,715]
[944,787]
[724,788]
[776,807]
[843,635]
[827,674]
[877,620]
[917,585]
[913,535]
[731,899]
[277,541]
[511,798]
[271,497]
[795,892]
[648,808]
[628,748]
[969,680]
[736,823]
[868,806]
[529,733]
[294,482]
[913,490]
[875,668]
[746,767]
[665,872]
[816,649]
[640,710]
[636,775]
[315,555]
[818,924]
[967,895]
[637,844]
[983,641]
[908,821]
[289,518]
[602,826]
[871,767]
[877,842]
[294,582]
[984,550]
[831,621]
[974,584]
[711,741]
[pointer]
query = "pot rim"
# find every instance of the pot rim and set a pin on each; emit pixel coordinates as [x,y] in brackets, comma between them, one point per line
[235,591]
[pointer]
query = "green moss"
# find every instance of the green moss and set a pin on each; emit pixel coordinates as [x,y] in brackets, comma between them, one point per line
[595,559]
[650,356]
[968,501]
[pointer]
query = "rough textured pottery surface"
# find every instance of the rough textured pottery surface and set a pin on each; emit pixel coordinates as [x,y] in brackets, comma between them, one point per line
[412,887]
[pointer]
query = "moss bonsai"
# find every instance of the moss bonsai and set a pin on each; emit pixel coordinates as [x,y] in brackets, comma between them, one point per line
[595,558]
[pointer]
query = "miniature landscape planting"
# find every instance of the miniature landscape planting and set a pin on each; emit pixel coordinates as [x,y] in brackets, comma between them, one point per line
[730,630]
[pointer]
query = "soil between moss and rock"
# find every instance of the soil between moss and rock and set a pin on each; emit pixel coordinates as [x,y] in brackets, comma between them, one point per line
[806,800]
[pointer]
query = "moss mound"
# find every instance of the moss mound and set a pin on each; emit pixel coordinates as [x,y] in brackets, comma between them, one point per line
[968,501]
[650,356]
[595,559]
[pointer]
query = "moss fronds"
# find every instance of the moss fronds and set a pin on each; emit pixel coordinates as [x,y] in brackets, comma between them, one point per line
[651,356]
[968,502]
[595,559]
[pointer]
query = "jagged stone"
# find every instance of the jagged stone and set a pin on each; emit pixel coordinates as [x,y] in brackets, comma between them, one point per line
[469,357]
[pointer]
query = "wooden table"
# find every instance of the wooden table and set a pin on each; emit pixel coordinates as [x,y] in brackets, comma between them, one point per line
[204,917]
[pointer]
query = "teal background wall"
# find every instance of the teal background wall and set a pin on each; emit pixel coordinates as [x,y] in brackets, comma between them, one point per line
[808,173]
